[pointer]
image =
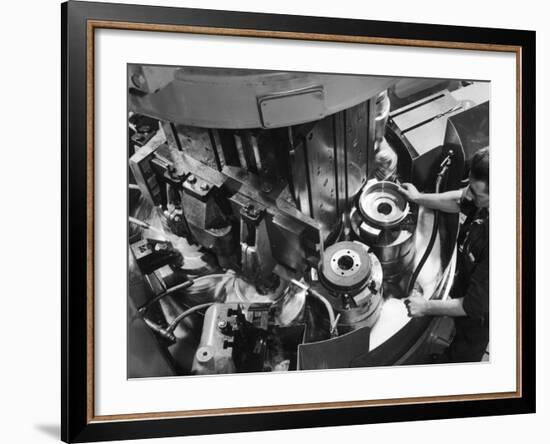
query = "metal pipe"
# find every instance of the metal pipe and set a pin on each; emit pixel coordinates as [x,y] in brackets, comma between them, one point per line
[182,286]
[155,327]
[186,313]
[326,303]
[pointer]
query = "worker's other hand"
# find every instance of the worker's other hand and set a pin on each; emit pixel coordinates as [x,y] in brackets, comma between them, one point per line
[410,192]
[416,305]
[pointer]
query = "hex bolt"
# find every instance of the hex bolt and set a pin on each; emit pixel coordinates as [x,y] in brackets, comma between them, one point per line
[191,178]
[205,187]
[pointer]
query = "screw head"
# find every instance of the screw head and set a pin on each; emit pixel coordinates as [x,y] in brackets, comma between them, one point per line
[205,187]
[222,325]
[191,178]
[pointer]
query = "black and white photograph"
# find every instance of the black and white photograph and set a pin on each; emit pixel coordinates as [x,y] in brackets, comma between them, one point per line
[286,221]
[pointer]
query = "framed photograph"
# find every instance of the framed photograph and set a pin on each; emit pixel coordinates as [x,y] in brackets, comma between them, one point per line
[275,221]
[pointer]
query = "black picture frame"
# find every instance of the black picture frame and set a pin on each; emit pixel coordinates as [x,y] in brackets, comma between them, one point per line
[77,423]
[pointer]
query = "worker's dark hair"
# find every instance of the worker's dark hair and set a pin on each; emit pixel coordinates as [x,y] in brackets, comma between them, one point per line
[479,166]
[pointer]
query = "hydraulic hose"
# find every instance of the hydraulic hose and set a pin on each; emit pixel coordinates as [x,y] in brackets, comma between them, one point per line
[170,329]
[333,320]
[441,175]
[182,286]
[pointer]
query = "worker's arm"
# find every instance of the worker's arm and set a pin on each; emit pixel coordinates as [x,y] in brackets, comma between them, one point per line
[474,304]
[448,201]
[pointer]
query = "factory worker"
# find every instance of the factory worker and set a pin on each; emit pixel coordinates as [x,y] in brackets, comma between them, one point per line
[469,301]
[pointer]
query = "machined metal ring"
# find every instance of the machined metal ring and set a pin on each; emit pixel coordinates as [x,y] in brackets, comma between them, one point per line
[346,266]
[382,205]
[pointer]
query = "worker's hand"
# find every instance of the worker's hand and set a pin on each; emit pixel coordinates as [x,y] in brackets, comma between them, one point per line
[416,305]
[410,192]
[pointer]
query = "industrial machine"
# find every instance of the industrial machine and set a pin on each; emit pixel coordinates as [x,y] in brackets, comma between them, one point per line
[261,237]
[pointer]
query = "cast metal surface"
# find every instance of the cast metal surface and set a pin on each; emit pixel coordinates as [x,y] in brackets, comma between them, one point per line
[241,99]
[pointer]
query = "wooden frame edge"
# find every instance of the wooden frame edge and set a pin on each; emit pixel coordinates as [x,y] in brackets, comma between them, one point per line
[285,408]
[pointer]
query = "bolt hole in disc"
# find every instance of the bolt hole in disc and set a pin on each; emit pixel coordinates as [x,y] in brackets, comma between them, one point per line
[345,262]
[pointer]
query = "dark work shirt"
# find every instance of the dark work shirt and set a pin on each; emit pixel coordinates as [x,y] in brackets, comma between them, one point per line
[472,274]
